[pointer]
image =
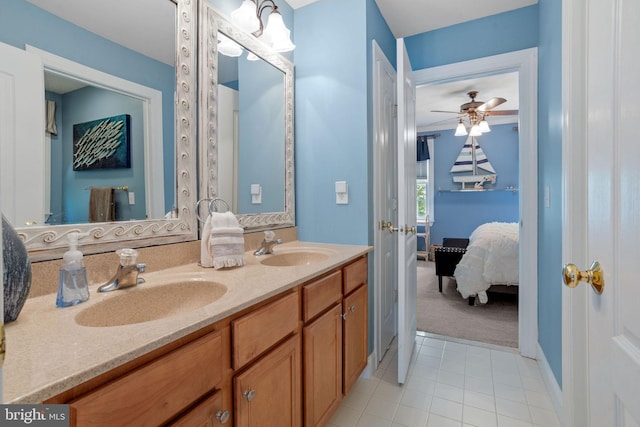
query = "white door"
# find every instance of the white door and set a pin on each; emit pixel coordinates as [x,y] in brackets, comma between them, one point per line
[407,240]
[601,218]
[21,136]
[386,199]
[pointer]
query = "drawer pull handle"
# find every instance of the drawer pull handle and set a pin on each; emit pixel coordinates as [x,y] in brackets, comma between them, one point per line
[222,416]
[249,394]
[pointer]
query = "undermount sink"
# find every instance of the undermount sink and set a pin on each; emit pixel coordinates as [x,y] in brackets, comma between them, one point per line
[142,304]
[292,258]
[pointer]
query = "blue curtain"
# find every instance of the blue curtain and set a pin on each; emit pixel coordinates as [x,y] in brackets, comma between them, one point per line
[422,148]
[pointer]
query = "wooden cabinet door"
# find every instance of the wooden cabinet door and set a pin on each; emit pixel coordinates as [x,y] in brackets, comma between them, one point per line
[322,351]
[208,413]
[354,335]
[268,393]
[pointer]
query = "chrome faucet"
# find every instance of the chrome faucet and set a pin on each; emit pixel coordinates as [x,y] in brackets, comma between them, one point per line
[127,272]
[266,247]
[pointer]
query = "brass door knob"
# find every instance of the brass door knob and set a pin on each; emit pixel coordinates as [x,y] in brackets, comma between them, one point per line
[572,276]
[412,230]
[389,226]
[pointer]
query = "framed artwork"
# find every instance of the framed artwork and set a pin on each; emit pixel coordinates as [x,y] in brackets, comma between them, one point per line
[102,144]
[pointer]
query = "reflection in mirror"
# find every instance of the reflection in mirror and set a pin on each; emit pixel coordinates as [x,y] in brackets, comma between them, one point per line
[248,122]
[172,149]
[82,99]
[251,133]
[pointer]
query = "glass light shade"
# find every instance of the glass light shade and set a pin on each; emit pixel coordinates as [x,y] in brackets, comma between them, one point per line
[228,47]
[484,126]
[276,34]
[246,17]
[475,131]
[461,130]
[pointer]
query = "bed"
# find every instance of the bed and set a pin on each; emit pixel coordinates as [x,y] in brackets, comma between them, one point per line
[491,259]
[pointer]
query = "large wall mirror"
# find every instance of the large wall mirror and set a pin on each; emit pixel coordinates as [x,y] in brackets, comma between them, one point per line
[247,123]
[155,192]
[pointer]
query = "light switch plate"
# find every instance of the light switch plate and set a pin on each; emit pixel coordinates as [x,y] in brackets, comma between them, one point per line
[342,193]
[132,198]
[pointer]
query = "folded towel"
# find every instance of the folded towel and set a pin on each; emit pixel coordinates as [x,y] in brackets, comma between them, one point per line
[222,241]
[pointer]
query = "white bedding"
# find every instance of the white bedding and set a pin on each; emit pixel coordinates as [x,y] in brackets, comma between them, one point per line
[491,259]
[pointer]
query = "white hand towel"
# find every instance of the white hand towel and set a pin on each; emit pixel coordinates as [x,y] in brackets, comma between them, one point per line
[226,240]
[206,258]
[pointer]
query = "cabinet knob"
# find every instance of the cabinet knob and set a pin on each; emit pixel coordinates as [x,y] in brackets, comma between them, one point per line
[352,308]
[222,416]
[344,316]
[249,394]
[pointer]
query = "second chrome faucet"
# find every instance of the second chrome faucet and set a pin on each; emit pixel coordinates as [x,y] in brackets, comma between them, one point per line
[127,273]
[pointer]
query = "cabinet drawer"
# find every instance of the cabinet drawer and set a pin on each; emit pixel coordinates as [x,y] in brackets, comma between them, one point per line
[355,274]
[257,331]
[155,392]
[208,413]
[320,295]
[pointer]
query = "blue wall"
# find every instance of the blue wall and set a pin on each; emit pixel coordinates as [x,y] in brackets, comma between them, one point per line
[88,104]
[458,214]
[261,148]
[331,122]
[22,23]
[550,174]
[492,35]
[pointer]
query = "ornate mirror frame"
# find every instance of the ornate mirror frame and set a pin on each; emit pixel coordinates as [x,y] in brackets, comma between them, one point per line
[49,242]
[212,22]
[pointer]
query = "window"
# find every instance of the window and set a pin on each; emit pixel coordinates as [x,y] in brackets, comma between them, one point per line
[422,189]
[424,185]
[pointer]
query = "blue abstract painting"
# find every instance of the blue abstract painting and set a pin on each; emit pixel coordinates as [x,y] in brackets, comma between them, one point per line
[102,144]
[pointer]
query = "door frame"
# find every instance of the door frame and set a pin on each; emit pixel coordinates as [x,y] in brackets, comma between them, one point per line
[575,306]
[378,55]
[525,62]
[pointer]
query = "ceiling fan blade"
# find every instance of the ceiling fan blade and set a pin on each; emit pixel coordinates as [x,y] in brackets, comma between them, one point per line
[502,113]
[443,111]
[492,103]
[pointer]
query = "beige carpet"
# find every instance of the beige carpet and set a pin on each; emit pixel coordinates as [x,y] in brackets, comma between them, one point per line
[448,314]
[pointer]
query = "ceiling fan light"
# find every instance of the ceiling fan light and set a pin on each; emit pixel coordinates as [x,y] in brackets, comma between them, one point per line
[475,131]
[461,130]
[484,126]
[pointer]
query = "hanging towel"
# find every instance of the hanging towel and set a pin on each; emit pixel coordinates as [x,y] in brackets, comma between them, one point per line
[222,241]
[102,205]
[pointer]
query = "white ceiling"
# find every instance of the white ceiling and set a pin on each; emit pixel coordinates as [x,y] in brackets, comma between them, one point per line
[147,26]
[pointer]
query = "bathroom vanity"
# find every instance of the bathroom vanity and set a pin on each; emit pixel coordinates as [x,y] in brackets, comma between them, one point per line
[283,339]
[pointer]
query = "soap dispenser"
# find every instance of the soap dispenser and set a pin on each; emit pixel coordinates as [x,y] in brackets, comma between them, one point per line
[73,287]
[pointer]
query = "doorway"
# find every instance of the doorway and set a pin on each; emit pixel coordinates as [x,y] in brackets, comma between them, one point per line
[525,63]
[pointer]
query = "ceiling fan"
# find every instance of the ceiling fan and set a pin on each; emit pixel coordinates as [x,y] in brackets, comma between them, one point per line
[474,108]
[476,112]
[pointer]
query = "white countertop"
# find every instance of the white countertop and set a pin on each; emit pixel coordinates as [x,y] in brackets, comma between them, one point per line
[48,352]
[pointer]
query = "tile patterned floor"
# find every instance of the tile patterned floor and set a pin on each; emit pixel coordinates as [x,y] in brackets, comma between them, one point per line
[451,383]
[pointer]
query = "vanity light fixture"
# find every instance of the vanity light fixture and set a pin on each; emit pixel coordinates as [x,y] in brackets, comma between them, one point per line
[249,18]
[228,47]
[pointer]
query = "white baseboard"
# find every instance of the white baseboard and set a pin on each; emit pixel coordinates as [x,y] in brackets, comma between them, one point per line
[555,393]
